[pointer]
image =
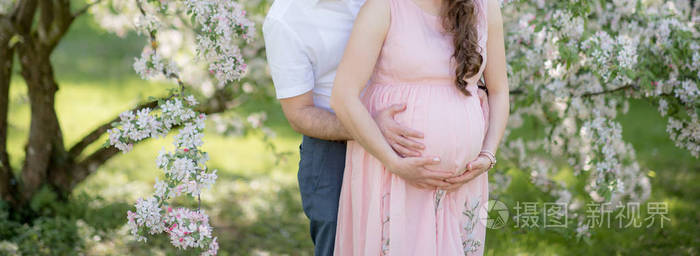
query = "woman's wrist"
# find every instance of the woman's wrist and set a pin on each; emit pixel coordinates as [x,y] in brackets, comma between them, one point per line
[390,162]
[490,156]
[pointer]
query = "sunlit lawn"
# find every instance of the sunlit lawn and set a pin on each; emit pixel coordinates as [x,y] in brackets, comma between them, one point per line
[255,204]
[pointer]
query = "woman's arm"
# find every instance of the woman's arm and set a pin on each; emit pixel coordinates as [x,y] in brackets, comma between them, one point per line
[496,78]
[353,72]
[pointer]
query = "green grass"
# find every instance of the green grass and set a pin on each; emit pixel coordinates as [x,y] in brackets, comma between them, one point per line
[255,204]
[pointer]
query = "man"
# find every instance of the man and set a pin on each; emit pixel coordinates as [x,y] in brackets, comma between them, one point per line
[305,40]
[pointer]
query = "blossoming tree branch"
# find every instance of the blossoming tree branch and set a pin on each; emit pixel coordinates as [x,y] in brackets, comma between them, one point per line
[218,24]
[218,28]
[573,67]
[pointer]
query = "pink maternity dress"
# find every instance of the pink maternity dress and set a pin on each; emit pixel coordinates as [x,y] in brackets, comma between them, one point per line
[380,213]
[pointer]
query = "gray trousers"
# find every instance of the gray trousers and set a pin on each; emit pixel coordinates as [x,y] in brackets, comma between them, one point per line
[320,176]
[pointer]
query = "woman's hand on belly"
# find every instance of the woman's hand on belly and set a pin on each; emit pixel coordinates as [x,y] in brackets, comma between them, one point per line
[414,171]
[475,168]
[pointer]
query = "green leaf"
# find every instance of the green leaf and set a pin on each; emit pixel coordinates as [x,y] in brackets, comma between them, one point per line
[14,40]
[539,27]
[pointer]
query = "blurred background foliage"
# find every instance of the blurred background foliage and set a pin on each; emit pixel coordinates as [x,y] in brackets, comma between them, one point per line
[255,205]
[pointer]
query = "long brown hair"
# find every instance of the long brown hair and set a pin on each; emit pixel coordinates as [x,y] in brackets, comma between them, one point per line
[460,20]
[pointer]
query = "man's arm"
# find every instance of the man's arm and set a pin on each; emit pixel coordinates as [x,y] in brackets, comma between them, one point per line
[307,119]
[310,120]
[292,74]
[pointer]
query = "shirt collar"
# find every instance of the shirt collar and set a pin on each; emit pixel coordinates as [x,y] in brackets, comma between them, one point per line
[352,7]
[314,2]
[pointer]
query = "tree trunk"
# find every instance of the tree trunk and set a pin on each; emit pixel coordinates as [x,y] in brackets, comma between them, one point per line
[45,145]
[8,182]
[39,26]
[63,178]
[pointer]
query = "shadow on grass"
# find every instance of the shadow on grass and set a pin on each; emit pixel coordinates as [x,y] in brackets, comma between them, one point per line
[259,216]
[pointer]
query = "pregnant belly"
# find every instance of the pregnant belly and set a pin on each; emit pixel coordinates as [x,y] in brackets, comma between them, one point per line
[452,123]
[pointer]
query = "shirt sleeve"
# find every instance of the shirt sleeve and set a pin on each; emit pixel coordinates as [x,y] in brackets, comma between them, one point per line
[290,67]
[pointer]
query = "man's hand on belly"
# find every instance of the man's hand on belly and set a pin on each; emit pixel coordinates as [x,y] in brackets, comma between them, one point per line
[401,138]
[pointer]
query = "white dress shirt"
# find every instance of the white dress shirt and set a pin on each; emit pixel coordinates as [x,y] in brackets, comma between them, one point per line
[304,41]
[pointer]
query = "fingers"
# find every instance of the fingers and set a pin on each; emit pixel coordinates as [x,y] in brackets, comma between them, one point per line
[408,143]
[422,185]
[402,130]
[393,131]
[425,173]
[425,160]
[452,187]
[408,132]
[396,108]
[437,183]
[458,173]
[464,178]
[404,151]
[479,163]
[432,180]
[461,179]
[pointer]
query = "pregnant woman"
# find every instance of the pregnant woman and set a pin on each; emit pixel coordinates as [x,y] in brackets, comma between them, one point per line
[428,54]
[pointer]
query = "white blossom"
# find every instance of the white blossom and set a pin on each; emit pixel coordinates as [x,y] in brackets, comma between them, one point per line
[687,92]
[162,190]
[220,25]
[627,56]
[148,214]
[663,107]
[190,229]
